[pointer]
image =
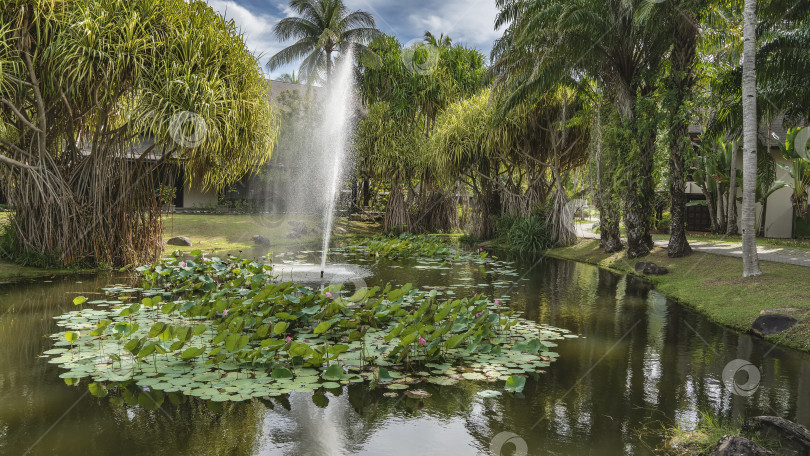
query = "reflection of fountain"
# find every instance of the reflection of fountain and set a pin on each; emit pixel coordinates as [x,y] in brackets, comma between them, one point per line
[335,128]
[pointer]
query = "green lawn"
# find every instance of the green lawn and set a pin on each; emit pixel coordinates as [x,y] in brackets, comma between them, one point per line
[212,233]
[803,244]
[713,285]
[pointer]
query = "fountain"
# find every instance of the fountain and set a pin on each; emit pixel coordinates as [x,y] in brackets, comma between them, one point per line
[318,166]
[335,128]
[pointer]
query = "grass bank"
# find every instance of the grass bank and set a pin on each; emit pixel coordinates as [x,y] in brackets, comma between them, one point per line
[217,233]
[221,233]
[713,285]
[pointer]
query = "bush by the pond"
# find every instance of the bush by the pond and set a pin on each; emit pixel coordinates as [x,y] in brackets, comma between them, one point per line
[529,234]
[225,331]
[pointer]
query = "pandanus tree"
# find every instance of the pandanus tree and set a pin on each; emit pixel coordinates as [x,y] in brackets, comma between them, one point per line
[609,41]
[321,29]
[516,162]
[415,85]
[96,96]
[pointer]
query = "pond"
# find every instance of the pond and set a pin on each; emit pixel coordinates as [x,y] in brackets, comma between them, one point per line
[642,362]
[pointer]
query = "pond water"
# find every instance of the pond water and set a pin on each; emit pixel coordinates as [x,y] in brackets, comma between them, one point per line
[642,362]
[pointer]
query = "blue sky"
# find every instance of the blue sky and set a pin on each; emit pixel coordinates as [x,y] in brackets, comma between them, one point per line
[470,22]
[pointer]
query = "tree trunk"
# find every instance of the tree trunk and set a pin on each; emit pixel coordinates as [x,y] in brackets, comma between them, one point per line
[328,68]
[682,80]
[396,214]
[489,203]
[749,95]
[763,216]
[721,209]
[731,219]
[609,216]
[638,202]
[366,193]
[709,197]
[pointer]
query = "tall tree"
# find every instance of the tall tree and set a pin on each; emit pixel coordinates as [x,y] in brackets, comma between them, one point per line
[97,95]
[749,99]
[552,40]
[322,28]
[678,84]
[731,219]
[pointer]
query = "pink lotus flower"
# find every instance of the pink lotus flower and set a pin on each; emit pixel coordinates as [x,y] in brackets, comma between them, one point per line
[422,341]
[328,295]
[225,313]
[288,339]
[183,264]
[497,303]
[478,315]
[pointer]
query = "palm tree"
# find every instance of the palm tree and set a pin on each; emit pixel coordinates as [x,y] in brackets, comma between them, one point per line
[749,96]
[290,77]
[609,41]
[441,41]
[322,28]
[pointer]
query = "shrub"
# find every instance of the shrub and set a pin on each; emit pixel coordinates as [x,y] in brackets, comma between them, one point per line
[530,235]
[662,225]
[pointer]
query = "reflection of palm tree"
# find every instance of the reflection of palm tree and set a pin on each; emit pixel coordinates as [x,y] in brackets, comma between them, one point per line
[322,27]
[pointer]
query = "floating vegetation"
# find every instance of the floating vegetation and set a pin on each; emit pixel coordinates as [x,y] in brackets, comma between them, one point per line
[223,330]
[415,245]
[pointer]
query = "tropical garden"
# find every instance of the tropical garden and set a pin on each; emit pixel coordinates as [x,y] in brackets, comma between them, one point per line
[586,239]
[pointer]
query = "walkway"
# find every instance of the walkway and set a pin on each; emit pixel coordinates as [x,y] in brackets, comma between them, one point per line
[773,254]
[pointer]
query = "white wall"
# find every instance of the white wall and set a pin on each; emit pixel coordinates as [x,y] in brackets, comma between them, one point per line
[779,218]
[194,196]
[779,223]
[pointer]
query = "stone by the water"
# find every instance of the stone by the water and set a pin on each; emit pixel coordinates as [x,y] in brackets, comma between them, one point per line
[181,241]
[261,240]
[738,446]
[767,325]
[792,437]
[648,268]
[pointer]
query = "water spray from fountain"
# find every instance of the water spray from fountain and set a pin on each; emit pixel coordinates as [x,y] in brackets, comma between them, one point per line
[336,129]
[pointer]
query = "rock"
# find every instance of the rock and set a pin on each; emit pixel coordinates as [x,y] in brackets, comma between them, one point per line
[293,235]
[300,228]
[261,240]
[772,324]
[647,268]
[181,241]
[738,446]
[793,438]
[340,230]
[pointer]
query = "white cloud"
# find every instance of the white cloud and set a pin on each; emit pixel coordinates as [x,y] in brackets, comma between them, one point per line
[257,28]
[470,22]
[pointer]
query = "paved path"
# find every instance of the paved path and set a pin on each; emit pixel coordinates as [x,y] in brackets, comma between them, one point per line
[773,254]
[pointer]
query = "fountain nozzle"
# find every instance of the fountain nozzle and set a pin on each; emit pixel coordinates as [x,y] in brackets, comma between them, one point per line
[322,274]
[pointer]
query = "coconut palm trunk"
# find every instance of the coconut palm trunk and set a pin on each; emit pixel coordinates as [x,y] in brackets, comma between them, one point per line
[749,99]
[731,219]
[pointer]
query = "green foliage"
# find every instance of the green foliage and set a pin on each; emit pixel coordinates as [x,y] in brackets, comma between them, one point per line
[414,245]
[224,331]
[525,234]
[321,28]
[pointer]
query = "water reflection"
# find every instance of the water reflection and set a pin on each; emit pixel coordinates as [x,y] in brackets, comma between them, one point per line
[643,362]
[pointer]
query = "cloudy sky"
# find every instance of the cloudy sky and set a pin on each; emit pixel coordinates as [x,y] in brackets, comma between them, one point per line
[470,22]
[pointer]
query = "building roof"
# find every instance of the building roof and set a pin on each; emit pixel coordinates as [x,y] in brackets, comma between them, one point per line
[277,87]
